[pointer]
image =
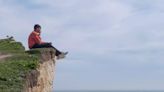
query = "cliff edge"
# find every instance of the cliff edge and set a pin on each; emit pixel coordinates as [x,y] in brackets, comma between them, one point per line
[25,71]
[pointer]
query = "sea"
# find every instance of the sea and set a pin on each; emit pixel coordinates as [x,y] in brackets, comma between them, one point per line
[112,91]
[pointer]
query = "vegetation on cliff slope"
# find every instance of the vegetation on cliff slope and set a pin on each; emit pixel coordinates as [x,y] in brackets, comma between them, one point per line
[13,69]
[9,45]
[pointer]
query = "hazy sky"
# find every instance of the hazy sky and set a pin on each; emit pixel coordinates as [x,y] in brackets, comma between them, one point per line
[112,44]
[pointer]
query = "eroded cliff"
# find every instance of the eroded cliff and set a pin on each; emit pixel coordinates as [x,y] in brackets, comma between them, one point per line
[25,71]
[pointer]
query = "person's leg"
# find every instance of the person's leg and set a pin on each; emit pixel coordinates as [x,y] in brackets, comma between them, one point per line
[47,45]
[57,51]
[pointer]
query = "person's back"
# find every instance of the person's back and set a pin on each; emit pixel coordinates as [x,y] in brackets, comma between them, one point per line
[34,41]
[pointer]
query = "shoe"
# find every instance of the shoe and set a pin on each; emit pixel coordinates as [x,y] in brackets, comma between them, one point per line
[65,53]
[62,55]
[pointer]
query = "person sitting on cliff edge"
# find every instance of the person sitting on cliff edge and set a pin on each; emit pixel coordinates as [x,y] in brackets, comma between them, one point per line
[34,41]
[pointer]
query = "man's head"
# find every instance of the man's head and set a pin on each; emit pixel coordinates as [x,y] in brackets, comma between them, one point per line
[37,28]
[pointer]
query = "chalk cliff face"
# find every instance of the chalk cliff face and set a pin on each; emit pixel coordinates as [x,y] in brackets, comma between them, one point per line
[25,71]
[41,79]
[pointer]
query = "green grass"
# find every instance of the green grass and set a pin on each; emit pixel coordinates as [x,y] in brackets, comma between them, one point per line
[7,45]
[14,69]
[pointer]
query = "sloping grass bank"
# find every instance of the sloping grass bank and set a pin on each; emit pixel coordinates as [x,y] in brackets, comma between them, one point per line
[14,69]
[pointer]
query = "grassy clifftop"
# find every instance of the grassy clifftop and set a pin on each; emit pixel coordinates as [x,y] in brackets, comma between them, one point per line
[9,45]
[13,69]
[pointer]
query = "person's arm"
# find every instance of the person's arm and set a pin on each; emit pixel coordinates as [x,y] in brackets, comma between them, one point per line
[38,40]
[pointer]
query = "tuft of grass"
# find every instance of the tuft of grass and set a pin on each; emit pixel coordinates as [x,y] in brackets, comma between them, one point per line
[8,45]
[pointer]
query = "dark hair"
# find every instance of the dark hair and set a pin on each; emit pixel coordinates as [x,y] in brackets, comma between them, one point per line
[37,26]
